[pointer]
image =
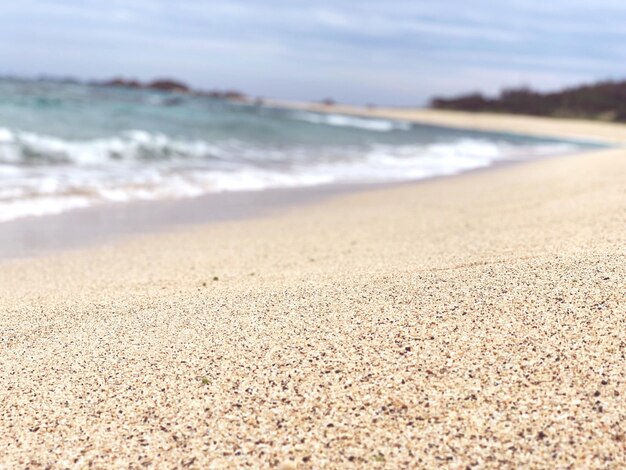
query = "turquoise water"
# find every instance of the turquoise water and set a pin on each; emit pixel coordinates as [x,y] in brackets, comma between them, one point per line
[66,146]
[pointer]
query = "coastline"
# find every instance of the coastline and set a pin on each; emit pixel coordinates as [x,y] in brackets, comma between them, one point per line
[111,222]
[467,320]
[560,128]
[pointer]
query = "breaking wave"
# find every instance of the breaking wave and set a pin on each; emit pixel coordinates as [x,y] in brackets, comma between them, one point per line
[30,148]
[42,174]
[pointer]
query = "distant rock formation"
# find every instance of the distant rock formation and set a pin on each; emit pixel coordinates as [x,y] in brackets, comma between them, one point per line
[120,82]
[233,95]
[167,84]
[163,84]
[172,86]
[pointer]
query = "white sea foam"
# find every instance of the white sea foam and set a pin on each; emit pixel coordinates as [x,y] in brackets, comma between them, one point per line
[38,206]
[31,148]
[341,120]
[42,175]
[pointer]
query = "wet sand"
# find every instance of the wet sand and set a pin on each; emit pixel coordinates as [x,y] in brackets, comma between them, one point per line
[79,228]
[473,320]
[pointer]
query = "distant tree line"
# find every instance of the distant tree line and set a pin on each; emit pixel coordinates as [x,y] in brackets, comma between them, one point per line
[604,101]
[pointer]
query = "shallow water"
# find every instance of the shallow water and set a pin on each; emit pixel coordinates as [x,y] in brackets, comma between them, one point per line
[66,146]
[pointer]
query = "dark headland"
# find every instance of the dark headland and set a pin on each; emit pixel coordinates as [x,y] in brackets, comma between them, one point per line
[605,101]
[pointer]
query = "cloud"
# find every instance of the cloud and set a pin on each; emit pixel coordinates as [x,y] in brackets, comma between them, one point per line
[399,51]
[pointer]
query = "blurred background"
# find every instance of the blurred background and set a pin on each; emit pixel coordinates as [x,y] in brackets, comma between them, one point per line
[120,101]
[356,51]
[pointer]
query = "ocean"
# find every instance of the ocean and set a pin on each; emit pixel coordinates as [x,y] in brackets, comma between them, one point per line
[69,146]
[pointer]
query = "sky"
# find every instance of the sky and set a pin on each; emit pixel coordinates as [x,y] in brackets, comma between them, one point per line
[399,52]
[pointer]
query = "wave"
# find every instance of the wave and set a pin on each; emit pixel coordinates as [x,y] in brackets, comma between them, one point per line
[42,175]
[342,120]
[18,147]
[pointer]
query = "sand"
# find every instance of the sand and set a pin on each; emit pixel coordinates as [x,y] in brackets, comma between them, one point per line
[477,320]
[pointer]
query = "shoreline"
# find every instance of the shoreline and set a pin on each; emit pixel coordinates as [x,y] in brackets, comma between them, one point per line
[559,128]
[113,222]
[473,320]
[90,227]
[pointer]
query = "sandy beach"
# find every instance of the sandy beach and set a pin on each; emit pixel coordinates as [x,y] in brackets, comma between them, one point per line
[476,320]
